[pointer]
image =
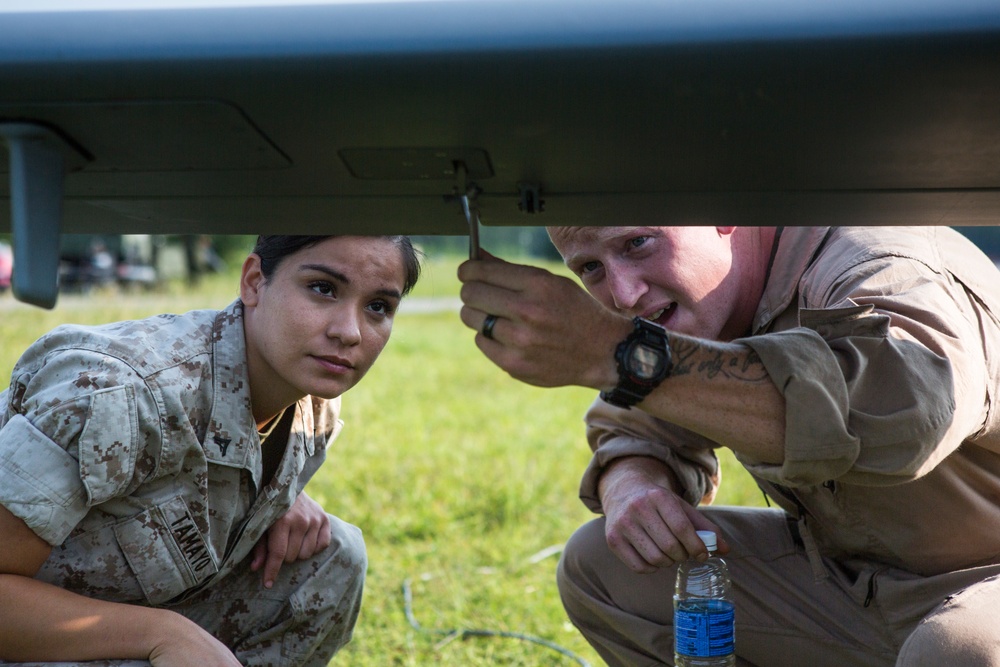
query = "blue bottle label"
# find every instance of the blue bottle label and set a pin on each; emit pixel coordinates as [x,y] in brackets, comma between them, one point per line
[704,628]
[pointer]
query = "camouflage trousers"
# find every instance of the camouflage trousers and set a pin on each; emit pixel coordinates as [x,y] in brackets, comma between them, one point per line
[302,621]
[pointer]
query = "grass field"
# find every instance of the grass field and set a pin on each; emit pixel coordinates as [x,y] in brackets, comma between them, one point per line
[463,480]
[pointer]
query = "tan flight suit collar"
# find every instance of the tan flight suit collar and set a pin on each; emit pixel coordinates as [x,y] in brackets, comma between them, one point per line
[797,247]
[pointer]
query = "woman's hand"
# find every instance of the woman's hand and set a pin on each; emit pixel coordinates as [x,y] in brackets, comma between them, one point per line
[300,534]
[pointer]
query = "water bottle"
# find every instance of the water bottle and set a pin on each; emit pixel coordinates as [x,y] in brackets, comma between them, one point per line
[704,615]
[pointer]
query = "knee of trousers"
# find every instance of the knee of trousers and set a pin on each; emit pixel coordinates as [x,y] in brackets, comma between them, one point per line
[337,572]
[327,599]
[585,557]
[932,645]
[957,634]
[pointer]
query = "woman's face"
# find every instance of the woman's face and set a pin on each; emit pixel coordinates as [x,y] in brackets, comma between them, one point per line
[318,324]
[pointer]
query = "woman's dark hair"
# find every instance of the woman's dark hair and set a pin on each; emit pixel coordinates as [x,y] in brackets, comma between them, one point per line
[272,250]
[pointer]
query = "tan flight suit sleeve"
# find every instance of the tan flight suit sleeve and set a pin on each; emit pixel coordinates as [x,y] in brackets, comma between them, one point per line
[615,433]
[883,385]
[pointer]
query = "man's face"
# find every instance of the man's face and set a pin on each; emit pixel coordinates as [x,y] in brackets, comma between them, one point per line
[681,277]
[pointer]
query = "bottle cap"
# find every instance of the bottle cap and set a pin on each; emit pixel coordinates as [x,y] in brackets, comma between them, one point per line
[708,537]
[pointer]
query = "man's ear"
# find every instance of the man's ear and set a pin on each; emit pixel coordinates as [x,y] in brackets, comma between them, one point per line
[251,280]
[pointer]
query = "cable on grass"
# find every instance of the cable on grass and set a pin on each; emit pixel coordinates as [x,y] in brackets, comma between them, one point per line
[464,633]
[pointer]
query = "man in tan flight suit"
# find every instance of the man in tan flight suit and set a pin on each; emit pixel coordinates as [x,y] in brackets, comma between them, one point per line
[854,372]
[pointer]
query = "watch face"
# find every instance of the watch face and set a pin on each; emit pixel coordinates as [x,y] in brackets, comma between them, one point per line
[645,362]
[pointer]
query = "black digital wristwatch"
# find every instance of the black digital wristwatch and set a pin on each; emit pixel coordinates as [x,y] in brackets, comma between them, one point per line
[643,363]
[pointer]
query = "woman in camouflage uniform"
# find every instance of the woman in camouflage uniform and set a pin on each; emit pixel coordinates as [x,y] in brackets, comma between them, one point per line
[152,472]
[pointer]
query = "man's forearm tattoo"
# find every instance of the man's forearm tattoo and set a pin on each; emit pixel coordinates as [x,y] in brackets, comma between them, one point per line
[734,362]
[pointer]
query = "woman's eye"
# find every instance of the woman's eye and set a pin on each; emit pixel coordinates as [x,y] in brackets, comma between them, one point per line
[324,288]
[589,267]
[638,241]
[381,307]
